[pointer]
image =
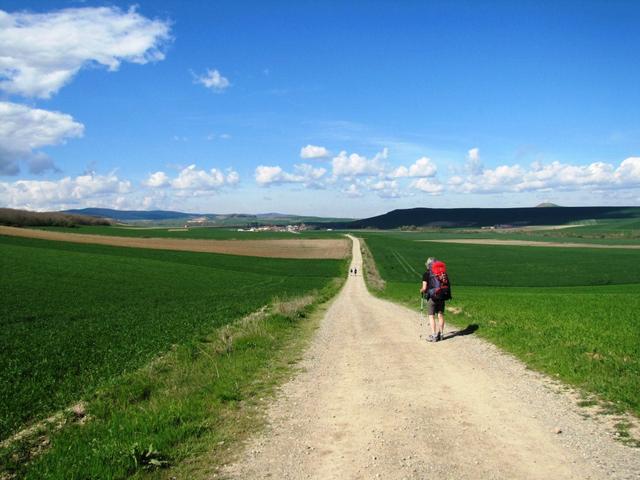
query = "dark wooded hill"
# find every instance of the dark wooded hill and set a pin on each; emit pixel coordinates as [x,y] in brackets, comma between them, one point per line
[25,218]
[481,217]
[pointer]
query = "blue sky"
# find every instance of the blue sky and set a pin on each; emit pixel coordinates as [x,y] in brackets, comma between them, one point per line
[318,108]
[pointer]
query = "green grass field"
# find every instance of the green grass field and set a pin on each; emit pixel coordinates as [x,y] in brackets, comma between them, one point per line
[73,317]
[184,414]
[569,312]
[612,232]
[402,260]
[204,233]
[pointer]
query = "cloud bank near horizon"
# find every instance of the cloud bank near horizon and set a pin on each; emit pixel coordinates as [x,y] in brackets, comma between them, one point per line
[350,176]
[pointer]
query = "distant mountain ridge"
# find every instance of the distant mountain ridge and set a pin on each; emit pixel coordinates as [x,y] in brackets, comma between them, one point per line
[170,215]
[480,217]
[125,215]
[543,214]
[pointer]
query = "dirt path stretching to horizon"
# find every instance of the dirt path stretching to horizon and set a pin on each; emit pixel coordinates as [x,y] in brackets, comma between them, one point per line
[375,400]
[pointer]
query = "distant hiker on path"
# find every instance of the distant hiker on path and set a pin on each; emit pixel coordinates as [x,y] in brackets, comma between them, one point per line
[436,289]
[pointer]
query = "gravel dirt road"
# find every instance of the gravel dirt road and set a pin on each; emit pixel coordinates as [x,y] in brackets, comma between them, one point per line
[375,400]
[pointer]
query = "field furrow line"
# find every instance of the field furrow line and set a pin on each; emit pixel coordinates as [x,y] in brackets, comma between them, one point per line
[407,266]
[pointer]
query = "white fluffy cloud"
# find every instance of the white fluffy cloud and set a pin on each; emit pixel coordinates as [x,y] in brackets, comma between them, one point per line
[41,52]
[195,181]
[628,173]
[94,190]
[266,175]
[303,173]
[232,178]
[354,175]
[386,188]
[23,130]
[427,185]
[192,179]
[345,165]
[157,180]
[213,80]
[423,167]
[556,175]
[353,191]
[313,151]
[474,165]
[63,193]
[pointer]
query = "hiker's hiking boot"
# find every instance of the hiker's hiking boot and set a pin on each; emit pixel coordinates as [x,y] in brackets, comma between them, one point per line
[433,338]
[439,336]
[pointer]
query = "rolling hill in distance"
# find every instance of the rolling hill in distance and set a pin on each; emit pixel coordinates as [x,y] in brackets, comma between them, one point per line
[125,215]
[209,219]
[543,214]
[546,214]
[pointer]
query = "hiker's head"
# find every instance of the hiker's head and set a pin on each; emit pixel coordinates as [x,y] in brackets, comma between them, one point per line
[429,262]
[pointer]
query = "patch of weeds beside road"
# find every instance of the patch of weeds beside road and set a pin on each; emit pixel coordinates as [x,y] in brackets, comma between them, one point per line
[372,277]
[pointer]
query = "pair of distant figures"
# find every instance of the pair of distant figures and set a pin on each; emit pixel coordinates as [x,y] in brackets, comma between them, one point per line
[353,271]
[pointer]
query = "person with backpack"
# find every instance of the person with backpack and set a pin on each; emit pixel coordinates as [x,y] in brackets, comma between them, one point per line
[436,289]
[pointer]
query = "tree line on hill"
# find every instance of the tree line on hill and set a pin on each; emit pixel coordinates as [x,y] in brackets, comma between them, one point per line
[24,218]
[413,218]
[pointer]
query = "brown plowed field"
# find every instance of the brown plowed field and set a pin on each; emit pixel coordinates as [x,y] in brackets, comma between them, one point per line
[294,248]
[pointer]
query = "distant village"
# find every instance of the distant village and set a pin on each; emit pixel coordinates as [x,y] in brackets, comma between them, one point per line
[205,222]
[276,228]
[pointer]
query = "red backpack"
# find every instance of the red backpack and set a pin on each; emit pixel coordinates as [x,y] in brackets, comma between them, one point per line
[439,287]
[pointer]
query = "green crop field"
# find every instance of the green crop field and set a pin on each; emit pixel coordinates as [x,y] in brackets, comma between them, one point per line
[610,232]
[204,233]
[74,316]
[401,260]
[569,312]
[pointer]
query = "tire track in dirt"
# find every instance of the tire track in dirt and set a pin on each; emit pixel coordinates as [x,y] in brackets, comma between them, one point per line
[375,400]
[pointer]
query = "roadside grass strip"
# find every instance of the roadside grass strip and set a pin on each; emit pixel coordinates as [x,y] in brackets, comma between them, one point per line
[372,277]
[185,413]
[73,317]
[571,313]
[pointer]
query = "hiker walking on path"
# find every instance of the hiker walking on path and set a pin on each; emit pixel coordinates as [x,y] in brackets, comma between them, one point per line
[436,289]
[366,402]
